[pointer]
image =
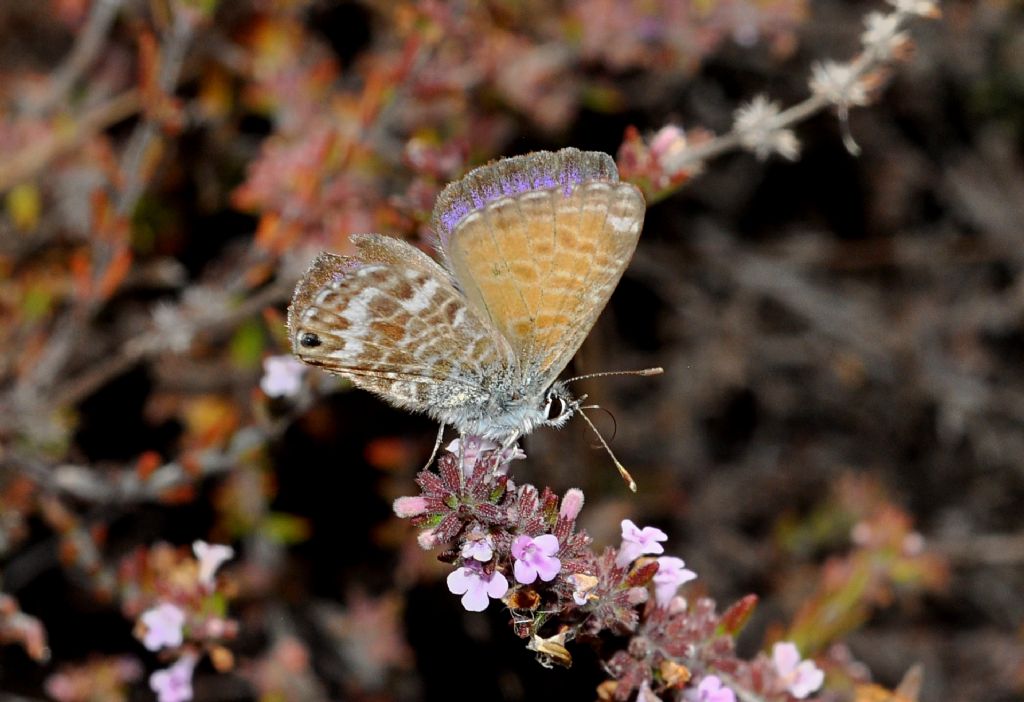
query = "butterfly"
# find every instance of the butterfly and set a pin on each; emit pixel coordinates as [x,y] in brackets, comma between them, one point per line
[531,249]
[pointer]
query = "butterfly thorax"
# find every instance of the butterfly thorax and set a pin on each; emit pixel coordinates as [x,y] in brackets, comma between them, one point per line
[509,406]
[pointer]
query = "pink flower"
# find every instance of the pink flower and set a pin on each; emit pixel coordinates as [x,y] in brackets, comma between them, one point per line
[799,678]
[427,539]
[406,507]
[710,689]
[174,684]
[476,586]
[211,557]
[572,503]
[282,376]
[646,694]
[536,557]
[671,574]
[637,595]
[637,542]
[479,549]
[163,626]
[472,448]
[668,146]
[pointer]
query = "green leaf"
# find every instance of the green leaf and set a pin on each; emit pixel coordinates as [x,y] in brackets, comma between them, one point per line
[247,344]
[285,528]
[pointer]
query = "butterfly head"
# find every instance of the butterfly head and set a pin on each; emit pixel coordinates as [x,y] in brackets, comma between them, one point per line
[559,406]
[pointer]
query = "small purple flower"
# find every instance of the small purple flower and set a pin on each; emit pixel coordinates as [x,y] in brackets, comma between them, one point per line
[476,586]
[799,678]
[479,549]
[535,557]
[174,684]
[671,574]
[163,626]
[637,542]
[282,376]
[211,557]
[710,689]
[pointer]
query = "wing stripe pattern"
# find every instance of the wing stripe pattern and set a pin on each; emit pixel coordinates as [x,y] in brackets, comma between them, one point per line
[403,332]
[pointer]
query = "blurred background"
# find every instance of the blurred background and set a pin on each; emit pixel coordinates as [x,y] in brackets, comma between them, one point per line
[839,430]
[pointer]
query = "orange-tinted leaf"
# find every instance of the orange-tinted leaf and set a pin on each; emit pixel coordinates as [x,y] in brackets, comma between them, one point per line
[737,616]
[147,463]
[81,271]
[209,420]
[642,572]
[178,495]
[115,273]
[149,66]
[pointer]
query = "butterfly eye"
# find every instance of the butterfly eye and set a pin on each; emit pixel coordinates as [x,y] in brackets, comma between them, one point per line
[555,408]
[309,340]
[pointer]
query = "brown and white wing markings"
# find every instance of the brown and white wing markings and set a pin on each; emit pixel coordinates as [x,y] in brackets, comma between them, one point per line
[542,264]
[395,326]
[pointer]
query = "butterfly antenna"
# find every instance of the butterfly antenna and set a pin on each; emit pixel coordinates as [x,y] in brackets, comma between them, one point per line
[615,422]
[621,468]
[642,371]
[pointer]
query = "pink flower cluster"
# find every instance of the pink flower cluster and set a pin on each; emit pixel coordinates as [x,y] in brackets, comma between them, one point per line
[520,546]
[165,625]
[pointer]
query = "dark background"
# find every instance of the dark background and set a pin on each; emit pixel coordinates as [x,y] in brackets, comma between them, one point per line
[830,317]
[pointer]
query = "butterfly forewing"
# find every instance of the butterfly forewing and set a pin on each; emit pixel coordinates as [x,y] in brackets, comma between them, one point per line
[541,265]
[402,331]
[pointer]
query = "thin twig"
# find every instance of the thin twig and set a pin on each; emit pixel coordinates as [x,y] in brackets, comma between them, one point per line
[983,549]
[861,66]
[35,157]
[148,345]
[172,58]
[84,52]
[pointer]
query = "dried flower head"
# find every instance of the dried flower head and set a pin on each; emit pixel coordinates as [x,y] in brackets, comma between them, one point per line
[839,83]
[882,36]
[922,8]
[756,124]
[173,330]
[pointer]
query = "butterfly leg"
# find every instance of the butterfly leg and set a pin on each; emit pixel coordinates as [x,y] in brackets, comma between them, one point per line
[510,441]
[437,445]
